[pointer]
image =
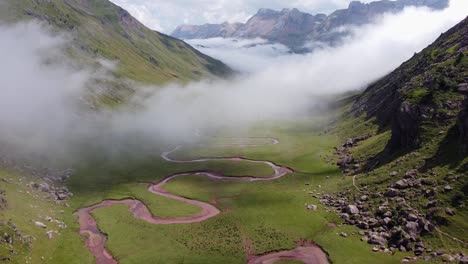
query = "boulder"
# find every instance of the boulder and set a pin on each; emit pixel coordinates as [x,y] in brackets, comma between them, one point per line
[464,260]
[387,221]
[363,225]
[447,258]
[62,196]
[373,222]
[419,251]
[50,234]
[431,204]
[412,227]
[388,214]
[352,209]
[411,174]
[412,217]
[392,193]
[312,207]
[349,143]
[40,224]
[344,216]
[449,211]
[345,161]
[377,240]
[44,187]
[401,184]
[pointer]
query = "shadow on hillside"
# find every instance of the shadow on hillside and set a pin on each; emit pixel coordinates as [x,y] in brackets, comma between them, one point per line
[386,156]
[449,153]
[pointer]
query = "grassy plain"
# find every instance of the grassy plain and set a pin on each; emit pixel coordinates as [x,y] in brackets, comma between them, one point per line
[256,217]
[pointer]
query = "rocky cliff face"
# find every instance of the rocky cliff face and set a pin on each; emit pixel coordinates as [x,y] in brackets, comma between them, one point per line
[425,96]
[288,26]
[294,28]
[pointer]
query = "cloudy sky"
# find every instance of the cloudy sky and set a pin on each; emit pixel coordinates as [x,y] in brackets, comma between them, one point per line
[164,16]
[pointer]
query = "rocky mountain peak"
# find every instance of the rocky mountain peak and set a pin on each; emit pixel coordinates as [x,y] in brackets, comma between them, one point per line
[355,4]
[294,28]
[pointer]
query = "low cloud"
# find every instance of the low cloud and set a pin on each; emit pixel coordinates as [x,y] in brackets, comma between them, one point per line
[42,108]
[243,55]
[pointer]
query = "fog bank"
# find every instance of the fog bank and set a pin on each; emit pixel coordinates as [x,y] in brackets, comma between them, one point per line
[43,106]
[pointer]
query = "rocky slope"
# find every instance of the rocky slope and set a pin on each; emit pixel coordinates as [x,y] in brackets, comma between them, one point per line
[410,177]
[294,28]
[426,92]
[102,29]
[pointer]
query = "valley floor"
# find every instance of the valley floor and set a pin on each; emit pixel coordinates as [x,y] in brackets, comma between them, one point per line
[255,218]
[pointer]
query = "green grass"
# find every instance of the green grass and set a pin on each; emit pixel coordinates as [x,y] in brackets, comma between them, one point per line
[116,180]
[26,206]
[453,49]
[434,153]
[417,95]
[267,216]
[372,146]
[101,32]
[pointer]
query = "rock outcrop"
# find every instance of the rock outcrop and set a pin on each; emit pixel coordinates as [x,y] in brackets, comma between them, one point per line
[429,90]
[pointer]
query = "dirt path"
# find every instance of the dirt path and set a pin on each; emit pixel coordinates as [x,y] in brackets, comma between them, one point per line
[95,242]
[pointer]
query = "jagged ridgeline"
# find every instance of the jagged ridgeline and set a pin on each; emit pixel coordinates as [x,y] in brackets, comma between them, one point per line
[294,28]
[101,29]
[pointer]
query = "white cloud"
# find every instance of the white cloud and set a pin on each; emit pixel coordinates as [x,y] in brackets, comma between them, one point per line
[243,55]
[144,15]
[289,85]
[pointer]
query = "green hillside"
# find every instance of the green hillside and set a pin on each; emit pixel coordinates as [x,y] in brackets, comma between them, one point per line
[102,29]
[407,152]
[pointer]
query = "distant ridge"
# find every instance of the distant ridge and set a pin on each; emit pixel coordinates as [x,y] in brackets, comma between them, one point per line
[293,28]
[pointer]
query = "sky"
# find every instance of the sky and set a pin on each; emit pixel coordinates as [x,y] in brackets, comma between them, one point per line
[165,16]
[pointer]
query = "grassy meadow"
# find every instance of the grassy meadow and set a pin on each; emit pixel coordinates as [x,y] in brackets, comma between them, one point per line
[256,217]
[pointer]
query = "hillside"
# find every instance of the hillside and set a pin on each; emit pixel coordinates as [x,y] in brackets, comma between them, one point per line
[407,153]
[102,29]
[294,28]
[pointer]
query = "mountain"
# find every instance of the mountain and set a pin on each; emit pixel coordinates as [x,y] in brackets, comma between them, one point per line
[406,148]
[207,30]
[294,28]
[103,29]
